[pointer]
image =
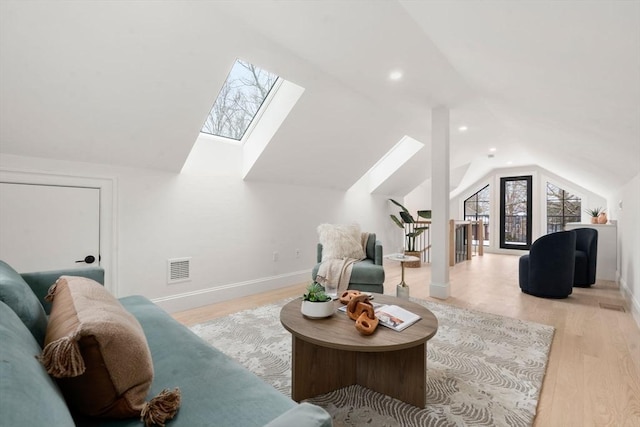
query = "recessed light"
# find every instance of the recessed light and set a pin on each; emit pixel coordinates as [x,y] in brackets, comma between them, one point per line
[463,128]
[492,149]
[509,162]
[395,75]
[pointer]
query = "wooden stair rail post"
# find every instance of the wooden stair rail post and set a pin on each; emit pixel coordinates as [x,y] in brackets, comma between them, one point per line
[469,241]
[452,240]
[468,245]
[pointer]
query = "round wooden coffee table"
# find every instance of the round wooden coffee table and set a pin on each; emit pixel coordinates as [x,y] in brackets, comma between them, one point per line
[328,354]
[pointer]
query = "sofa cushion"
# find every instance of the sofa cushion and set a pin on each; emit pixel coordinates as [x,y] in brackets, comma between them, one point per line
[340,241]
[17,294]
[99,354]
[28,396]
[41,281]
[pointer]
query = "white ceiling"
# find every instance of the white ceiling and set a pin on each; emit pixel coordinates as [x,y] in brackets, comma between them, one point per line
[129,83]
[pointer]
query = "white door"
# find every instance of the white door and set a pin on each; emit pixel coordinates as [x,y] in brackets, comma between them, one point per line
[48,227]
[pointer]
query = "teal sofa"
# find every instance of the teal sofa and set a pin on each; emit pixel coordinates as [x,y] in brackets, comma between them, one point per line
[366,275]
[216,391]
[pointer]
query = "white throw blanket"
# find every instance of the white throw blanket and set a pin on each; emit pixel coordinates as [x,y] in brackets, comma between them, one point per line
[338,271]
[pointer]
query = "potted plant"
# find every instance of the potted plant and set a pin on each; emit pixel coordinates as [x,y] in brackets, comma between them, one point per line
[316,304]
[413,232]
[598,216]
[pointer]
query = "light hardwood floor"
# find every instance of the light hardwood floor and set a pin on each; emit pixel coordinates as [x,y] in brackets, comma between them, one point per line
[593,375]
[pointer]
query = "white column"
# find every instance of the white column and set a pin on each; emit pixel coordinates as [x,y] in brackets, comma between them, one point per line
[439,287]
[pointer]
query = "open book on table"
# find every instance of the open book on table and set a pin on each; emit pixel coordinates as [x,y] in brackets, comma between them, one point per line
[396,317]
[392,316]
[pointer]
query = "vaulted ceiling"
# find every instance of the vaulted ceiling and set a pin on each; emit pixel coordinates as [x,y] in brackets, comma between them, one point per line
[555,84]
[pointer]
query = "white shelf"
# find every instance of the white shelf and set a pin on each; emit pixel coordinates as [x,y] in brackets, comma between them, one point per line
[607,258]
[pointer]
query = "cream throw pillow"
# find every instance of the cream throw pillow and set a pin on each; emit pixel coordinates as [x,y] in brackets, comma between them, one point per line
[340,241]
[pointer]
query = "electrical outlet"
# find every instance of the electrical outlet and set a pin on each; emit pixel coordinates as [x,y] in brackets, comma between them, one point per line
[297,253]
[275,256]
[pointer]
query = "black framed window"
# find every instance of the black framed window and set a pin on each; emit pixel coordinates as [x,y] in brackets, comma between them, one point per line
[562,207]
[476,208]
[515,212]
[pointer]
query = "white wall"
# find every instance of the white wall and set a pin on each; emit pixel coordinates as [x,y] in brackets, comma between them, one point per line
[628,241]
[229,227]
[419,198]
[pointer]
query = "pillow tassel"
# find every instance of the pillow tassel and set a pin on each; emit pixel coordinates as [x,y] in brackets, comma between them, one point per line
[51,292]
[161,408]
[62,358]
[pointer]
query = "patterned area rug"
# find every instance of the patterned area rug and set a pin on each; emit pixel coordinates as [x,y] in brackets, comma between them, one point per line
[482,369]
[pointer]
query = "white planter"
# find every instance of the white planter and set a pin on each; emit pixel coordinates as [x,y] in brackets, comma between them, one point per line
[317,310]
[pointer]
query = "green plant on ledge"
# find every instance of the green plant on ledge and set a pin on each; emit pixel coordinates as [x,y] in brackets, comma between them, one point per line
[315,293]
[410,237]
[594,212]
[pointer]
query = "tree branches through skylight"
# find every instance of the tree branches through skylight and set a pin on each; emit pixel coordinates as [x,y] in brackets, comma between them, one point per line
[239,100]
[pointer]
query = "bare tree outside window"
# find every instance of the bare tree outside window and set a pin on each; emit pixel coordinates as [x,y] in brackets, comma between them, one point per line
[476,208]
[239,100]
[515,212]
[562,207]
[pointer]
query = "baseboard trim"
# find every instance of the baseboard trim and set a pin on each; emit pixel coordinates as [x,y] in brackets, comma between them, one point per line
[634,305]
[212,295]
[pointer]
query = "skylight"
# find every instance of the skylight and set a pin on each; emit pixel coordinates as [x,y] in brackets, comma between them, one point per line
[239,101]
[392,161]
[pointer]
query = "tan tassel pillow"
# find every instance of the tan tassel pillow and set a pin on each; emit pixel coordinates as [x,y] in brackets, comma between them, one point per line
[98,353]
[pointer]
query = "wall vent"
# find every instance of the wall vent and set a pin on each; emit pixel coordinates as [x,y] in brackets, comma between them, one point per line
[178,270]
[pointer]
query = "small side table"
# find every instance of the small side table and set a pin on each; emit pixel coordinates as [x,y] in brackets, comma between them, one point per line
[402,290]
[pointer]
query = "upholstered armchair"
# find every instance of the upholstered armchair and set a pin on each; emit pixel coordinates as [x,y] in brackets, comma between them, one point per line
[367,275]
[548,270]
[586,252]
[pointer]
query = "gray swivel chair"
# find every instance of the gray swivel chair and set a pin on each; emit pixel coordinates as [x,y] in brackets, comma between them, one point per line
[367,275]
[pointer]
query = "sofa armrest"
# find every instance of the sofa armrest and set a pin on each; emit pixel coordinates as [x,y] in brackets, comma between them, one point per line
[378,253]
[303,415]
[41,281]
[319,252]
